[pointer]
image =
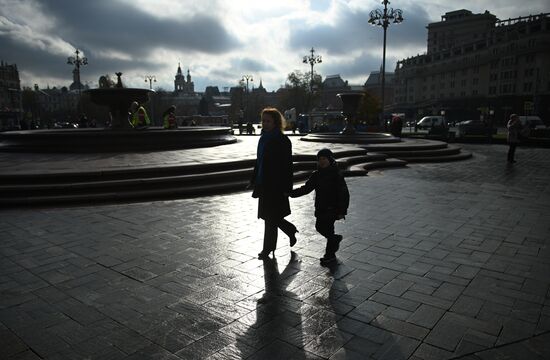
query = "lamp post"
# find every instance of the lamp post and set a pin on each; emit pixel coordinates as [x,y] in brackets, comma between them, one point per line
[312,60]
[247,78]
[151,79]
[382,18]
[77,61]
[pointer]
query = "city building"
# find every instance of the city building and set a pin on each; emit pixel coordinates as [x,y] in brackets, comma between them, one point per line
[373,85]
[477,66]
[183,85]
[10,96]
[53,105]
[332,86]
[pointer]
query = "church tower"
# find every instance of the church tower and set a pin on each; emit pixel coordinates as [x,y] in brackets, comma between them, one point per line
[179,82]
[182,84]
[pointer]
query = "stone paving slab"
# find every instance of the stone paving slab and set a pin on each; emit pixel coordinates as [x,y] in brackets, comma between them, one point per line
[438,261]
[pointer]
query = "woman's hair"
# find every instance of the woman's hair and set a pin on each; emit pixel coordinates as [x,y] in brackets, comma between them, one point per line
[280,121]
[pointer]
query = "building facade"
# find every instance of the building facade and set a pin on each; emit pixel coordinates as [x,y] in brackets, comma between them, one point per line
[476,66]
[373,85]
[10,96]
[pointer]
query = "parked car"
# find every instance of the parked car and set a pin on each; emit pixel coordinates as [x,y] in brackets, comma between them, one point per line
[65,125]
[428,122]
[536,127]
[533,122]
[473,127]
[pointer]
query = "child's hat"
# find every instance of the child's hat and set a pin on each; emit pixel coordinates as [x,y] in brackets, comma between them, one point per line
[325,153]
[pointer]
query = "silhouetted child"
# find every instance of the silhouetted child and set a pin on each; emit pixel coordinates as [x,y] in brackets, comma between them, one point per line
[331,200]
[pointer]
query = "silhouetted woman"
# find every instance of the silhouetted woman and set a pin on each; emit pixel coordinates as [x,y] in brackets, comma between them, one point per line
[272,180]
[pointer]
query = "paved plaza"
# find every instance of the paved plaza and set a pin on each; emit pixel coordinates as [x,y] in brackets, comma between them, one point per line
[438,261]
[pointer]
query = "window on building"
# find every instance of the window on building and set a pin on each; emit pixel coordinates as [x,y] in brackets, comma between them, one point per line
[476,70]
[527,87]
[475,81]
[493,76]
[463,93]
[463,82]
[492,90]
[506,88]
[474,92]
[452,85]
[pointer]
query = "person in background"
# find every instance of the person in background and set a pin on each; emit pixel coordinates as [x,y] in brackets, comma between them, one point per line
[514,129]
[138,116]
[169,118]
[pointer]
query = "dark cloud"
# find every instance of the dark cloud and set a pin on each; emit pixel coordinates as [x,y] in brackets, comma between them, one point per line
[45,64]
[352,31]
[250,65]
[99,26]
[359,67]
[113,25]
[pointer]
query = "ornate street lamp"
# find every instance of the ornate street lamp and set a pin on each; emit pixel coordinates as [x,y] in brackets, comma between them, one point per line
[151,79]
[247,78]
[312,60]
[77,61]
[383,18]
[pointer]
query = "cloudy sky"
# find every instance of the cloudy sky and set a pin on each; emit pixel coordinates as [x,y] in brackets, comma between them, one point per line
[218,40]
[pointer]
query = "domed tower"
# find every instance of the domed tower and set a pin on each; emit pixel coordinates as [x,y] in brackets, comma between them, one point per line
[179,82]
[190,85]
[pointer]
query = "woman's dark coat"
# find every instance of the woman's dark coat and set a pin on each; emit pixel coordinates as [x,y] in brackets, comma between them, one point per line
[331,191]
[276,179]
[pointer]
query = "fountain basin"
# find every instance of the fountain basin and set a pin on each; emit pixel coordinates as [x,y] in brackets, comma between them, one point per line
[352,138]
[114,140]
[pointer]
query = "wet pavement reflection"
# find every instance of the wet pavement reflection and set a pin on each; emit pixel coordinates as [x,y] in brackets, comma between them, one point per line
[438,261]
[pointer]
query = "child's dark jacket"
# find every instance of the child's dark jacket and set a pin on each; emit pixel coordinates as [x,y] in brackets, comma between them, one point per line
[331,191]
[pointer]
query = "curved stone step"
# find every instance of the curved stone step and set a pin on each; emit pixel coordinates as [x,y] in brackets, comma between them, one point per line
[351,160]
[461,156]
[449,150]
[373,165]
[406,145]
[119,193]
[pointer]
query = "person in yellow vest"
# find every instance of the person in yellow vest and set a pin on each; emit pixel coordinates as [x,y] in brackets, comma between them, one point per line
[138,116]
[169,118]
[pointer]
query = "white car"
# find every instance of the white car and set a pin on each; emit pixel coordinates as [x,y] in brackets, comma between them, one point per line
[428,122]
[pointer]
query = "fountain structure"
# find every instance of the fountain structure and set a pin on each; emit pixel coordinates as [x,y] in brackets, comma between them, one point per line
[118,100]
[121,136]
[349,135]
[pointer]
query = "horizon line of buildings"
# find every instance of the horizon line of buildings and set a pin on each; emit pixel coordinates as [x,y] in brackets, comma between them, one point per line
[475,64]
